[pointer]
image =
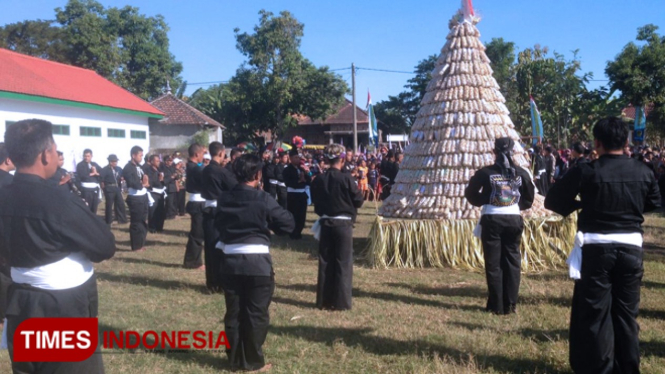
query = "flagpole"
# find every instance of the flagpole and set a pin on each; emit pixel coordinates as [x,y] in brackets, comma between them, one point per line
[355,115]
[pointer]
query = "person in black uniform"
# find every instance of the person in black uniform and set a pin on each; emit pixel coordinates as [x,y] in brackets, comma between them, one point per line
[502,190]
[63,179]
[245,217]
[540,171]
[6,166]
[87,173]
[111,177]
[157,212]
[269,181]
[296,178]
[388,174]
[614,191]
[137,199]
[349,166]
[170,180]
[215,181]
[336,198]
[281,189]
[195,207]
[51,253]
[577,155]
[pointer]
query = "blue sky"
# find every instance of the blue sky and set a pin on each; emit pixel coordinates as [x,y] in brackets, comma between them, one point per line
[381,34]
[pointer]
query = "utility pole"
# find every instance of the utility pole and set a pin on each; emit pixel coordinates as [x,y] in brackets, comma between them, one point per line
[355,119]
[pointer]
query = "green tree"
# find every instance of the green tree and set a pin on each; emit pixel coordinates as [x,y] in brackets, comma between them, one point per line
[502,61]
[37,38]
[639,73]
[277,83]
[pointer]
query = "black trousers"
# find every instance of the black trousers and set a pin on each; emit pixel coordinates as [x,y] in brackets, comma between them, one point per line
[213,256]
[91,197]
[501,236]
[296,203]
[171,204]
[247,318]
[138,220]
[29,302]
[603,327]
[114,204]
[181,200]
[335,281]
[157,213]
[281,196]
[195,241]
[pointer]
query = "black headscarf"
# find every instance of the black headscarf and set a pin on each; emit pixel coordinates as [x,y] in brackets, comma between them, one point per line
[503,149]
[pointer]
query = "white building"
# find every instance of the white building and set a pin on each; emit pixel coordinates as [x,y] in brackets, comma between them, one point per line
[87,110]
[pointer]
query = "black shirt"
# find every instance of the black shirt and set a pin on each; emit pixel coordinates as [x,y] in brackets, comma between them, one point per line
[108,177]
[335,193]
[615,191]
[170,176]
[291,176]
[246,216]
[215,180]
[268,172]
[153,178]
[489,187]
[279,172]
[5,178]
[194,174]
[83,170]
[40,225]
[349,167]
[57,177]
[133,175]
[389,170]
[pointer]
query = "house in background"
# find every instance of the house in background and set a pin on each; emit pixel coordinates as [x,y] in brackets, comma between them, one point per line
[87,110]
[337,128]
[181,122]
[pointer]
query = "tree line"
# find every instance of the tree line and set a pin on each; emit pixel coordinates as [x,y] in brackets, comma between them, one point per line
[276,84]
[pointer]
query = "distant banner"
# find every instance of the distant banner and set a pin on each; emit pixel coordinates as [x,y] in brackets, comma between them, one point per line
[536,123]
[373,130]
[639,132]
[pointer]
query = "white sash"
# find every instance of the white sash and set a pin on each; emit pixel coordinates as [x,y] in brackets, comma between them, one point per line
[296,190]
[211,204]
[493,209]
[574,260]
[316,228]
[196,198]
[243,249]
[72,271]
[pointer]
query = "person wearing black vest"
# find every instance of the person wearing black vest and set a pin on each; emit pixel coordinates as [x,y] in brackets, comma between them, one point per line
[87,173]
[170,180]
[111,177]
[216,180]
[50,239]
[138,201]
[281,189]
[296,178]
[615,191]
[540,171]
[388,174]
[157,212]
[6,166]
[195,206]
[336,198]
[502,190]
[245,217]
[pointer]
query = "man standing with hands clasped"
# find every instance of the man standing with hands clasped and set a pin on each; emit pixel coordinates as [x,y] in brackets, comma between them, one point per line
[111,178]
[88,174]
[297,177]
[615,191]
[138,199]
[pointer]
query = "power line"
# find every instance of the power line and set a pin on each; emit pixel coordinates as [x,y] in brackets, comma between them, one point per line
[204,83]
[386,71]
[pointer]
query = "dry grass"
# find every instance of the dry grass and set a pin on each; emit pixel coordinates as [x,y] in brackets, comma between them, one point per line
[403,321]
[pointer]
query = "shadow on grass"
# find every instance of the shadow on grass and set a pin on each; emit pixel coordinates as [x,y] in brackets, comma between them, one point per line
[297,303]
[309,245]
[481,293]
[203,359]
[649,284]
[385,296]
[653,348]
[138,280]
[541,336]
[363,339]
[145,261]
[167,232]
[650,313]
[126,245]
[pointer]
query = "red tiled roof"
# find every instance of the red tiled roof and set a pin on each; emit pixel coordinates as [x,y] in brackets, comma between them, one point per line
[629,112]
[344,115]
[34,76]
[178,112]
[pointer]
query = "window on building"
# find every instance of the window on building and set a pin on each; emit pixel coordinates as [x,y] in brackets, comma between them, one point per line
[91,131]
[135,134]
[116,133]
[61,130]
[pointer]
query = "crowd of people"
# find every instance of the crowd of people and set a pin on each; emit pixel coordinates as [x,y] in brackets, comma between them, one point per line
[50,233]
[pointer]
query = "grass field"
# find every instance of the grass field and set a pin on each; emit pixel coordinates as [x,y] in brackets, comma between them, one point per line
[403,321]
